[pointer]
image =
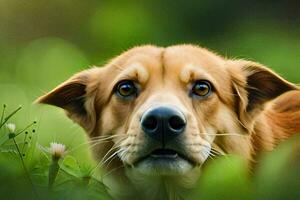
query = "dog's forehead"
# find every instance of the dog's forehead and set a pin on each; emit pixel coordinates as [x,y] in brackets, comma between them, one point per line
[186,59]
[144,54]
[182,62]
[182,53]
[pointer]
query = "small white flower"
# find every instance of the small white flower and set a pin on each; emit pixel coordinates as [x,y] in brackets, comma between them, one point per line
[11,127]
[57,150]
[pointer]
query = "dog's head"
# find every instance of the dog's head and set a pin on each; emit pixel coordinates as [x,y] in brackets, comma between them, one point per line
[163,109]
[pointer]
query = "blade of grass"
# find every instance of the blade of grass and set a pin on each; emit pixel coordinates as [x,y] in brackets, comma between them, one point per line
[2,115]
[9,116]
[24,166]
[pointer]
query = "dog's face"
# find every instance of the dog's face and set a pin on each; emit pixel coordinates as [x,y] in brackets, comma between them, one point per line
[163,109]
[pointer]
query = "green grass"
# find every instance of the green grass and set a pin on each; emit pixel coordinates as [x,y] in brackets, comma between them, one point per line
[31,171]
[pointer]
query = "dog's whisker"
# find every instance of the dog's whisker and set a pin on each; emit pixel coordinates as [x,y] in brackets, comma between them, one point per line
[109,152]
[123,153]
[226,134]
[107,139]
[212,155]
[242,124]
[97,139]
[213,149]
[106,136]
[217,153]
[99,164]
[92,143]
[218,150]
[111,157]
[120,152]
[115,156]
[91,146]
[115,146]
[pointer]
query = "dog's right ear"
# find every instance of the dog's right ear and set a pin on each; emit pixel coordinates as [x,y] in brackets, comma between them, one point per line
[76,96]
[254,85]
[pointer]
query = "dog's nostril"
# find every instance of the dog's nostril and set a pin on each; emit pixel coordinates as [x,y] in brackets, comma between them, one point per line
[150,123]
[176,123]
[163,123]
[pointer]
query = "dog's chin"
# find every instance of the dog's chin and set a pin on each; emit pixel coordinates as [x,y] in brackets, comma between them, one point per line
[164,164]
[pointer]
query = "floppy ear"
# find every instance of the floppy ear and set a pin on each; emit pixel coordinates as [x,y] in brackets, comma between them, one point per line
[254,86]
[76,96]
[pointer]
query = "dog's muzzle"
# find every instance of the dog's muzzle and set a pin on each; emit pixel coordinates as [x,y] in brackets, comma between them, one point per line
[164,151]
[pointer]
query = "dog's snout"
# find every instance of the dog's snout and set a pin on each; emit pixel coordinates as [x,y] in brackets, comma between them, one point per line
[163,123]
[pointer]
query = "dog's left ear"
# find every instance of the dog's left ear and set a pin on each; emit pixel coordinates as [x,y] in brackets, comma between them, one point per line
[76,97]
[254,85]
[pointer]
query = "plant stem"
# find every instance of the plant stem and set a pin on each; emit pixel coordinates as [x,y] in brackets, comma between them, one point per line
[9,116]
[24,167]
[53,171]
[24,143]
[2,115]
[24,129]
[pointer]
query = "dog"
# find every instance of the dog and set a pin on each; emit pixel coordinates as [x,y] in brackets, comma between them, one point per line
[157,114]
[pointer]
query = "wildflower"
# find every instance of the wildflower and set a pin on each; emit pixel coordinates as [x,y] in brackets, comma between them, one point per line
[11,127]
[57,150]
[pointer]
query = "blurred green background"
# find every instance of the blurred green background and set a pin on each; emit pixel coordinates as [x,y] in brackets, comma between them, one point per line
[43,42]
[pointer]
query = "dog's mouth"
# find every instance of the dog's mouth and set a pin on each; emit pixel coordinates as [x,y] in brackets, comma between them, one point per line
[164,154]
[165,161]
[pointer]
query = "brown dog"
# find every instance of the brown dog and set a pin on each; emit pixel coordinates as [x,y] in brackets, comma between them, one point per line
[163,111]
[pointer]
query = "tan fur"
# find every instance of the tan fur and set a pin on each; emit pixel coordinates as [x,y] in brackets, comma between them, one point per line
[255,107]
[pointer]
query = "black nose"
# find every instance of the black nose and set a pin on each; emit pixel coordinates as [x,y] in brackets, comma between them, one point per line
[163,123]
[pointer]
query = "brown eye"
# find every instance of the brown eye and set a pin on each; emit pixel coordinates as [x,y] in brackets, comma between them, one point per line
[201,89]
[126,89]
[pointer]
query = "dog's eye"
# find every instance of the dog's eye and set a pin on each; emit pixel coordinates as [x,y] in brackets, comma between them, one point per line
[126,89]
[201,88]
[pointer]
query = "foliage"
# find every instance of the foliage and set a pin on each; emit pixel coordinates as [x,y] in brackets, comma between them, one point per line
[47,174]
[52,174]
